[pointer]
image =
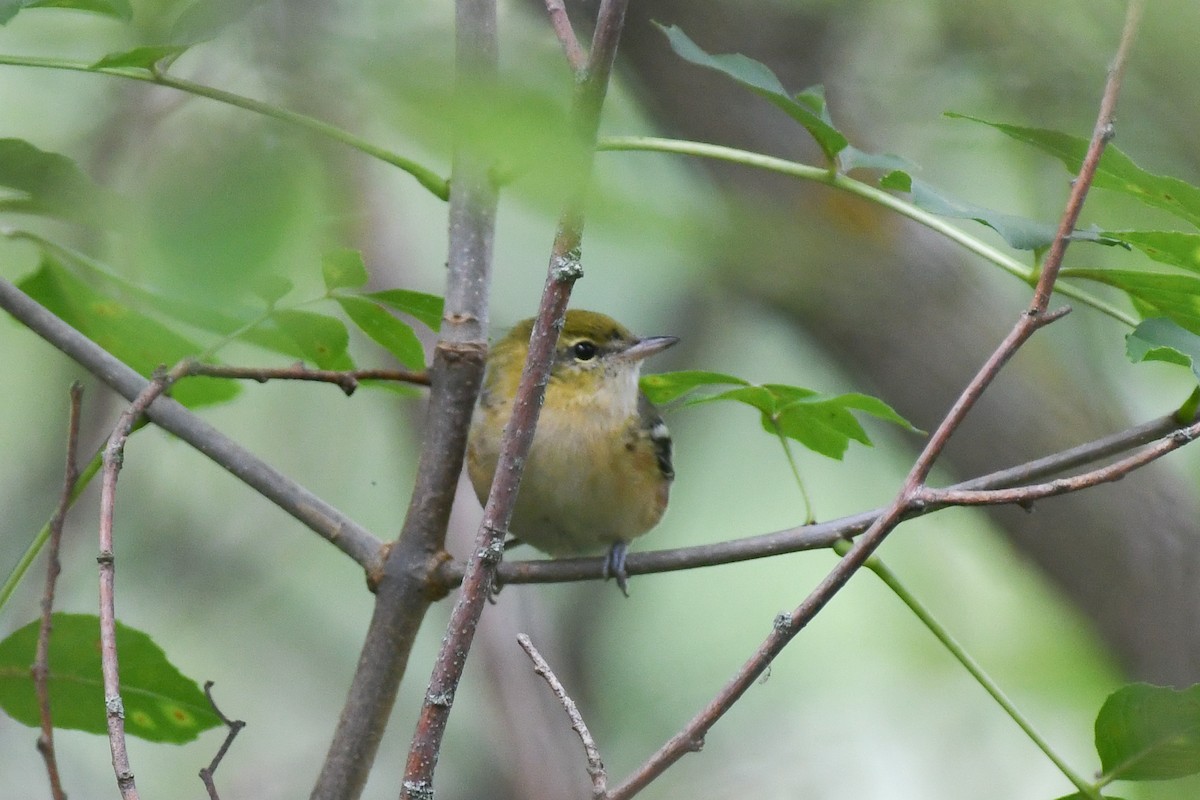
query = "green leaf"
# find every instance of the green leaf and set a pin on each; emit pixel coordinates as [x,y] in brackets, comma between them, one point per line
[322,339]
[667,386]
[425,307]
[807,108]
[161,704]
[1168,247]
[1146,732]
[119,9]
[1116,171]
[1019,232]
[140,341]
[1157,294]
[140,57]
[378,323]
[205,19]
[1161,339]
[1082,796]
[49,184]
[344,269]
[822,423]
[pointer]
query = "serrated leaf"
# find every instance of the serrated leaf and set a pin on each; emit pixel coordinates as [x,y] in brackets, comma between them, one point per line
[664,387]
[49,184]
[1161,339]
[427,308]
[322,339]
[1156,294]
[140,57]
[119,9]
[1168,247]
[806,108]
[1116,171]
[140,341]
[161,704]
[344,269]
[393,334]
[1146,732]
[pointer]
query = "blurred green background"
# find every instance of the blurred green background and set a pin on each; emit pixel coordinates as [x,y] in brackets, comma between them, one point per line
[765,278]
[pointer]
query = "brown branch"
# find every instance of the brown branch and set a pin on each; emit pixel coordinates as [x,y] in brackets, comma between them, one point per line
[405,592]
[566,35]
[820,535]
[41,662]
[347,380]
[595,765]
[313,512]
[787,626]
[235,727]
[1026,495]
[114,454]
[564,270]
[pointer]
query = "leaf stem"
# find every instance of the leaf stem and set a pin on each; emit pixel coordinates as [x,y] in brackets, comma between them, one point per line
[864,190]
[809,516]
[955,648]
[436,184]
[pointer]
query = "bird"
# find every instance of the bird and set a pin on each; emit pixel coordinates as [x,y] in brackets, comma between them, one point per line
[599,470]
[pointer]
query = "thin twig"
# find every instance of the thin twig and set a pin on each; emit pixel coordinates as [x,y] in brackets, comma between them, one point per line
[347,380]
[41,661]
[787,626]
[564,269]
[595,765]
[114,454]
[316,514]
[566,35]
[235,727]
[822,535]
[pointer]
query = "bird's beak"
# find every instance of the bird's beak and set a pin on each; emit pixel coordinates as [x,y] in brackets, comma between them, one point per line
[644,348]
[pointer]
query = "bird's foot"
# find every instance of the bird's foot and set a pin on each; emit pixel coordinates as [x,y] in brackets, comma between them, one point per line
[614,566]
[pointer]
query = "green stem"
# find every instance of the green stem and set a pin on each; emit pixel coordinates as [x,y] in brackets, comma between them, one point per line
[39,541]
[809,516]
[435,183]
[951,644]
[874,194]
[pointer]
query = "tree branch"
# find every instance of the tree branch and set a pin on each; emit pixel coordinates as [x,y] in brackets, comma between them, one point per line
[595,765]
[347,380]
[320,517]
[41,662]
[821,535]
[787,626]
[235,727]
[114,455]
[405,591]
[564,270]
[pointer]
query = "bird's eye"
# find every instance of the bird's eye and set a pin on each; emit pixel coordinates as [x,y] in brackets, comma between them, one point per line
[585,350]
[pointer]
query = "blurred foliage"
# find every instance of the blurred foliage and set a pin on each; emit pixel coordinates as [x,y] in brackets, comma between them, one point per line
[205,227]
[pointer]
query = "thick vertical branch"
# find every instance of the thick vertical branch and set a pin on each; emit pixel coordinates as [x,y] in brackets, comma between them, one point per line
[788,625]
[41,661]
[564,270]
[404,592]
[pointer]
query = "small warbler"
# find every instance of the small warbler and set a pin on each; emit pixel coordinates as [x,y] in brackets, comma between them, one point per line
[599,470]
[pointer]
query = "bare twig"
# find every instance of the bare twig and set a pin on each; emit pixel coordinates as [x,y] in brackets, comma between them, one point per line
[787,626]
[566,35]
[41,661]
[318,515]
[114,454]
[347,380]
[822,535]
[564,270]
[235,727]
[595,766]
